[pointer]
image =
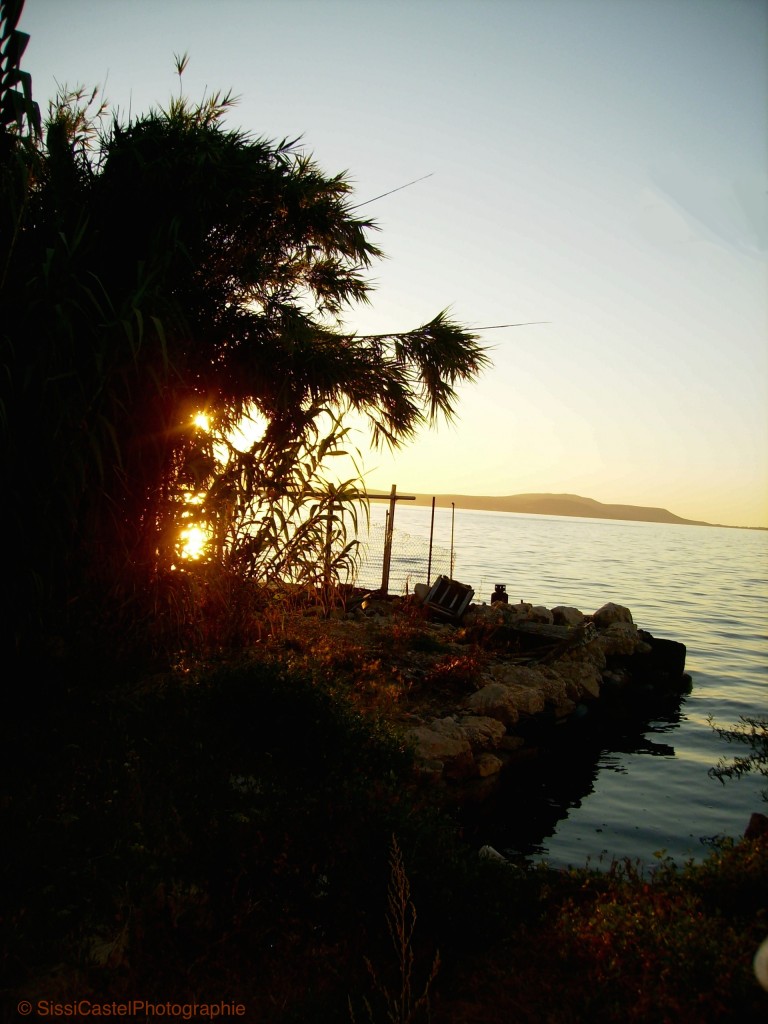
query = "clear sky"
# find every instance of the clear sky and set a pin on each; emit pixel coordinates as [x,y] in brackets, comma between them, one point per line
[598,164]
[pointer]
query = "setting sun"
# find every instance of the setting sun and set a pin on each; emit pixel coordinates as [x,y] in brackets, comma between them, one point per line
[201,421]
[192,542]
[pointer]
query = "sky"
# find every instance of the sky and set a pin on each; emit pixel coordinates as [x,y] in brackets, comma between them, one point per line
[598,165]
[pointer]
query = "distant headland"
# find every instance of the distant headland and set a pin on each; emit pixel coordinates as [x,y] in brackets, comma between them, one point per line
[558,505]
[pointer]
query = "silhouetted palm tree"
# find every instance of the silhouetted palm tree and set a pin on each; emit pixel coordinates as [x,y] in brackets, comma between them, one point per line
[168,265]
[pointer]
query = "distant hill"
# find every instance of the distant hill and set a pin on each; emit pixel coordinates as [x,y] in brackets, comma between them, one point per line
[557,505]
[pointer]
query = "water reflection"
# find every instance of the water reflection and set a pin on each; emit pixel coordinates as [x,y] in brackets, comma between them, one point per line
[534,797]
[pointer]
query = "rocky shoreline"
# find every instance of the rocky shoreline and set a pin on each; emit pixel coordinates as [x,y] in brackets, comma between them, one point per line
[542,669]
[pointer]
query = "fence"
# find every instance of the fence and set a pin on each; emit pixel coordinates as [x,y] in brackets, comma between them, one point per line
[408,560]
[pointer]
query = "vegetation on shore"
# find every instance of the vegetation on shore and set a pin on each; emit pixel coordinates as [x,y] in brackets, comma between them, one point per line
[241,830]
[197,807]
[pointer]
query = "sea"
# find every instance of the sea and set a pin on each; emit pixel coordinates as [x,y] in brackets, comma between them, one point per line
[645,791]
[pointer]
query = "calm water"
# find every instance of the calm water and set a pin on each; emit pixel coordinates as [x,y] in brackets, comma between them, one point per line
[704,586]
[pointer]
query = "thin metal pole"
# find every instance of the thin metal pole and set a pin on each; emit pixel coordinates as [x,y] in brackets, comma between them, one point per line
[453,510]
[431,535]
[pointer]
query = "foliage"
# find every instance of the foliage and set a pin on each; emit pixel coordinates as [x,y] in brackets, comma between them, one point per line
[271,511]
[162,267]
[620,946]
[16,104]
[752,732]
[656,942]
[258,828]
[228,832]
[400,1006]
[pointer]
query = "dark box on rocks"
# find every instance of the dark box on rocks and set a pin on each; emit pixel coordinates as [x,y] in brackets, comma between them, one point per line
[449,598]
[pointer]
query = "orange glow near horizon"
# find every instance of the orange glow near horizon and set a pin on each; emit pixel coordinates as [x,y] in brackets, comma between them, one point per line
[192,542]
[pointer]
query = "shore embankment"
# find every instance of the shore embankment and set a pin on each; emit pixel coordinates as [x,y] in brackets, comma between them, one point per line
[535,669]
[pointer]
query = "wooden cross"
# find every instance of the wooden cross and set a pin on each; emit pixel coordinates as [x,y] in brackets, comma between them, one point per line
[393,498]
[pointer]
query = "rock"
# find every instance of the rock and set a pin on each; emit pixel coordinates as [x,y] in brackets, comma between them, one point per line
[482,732]
[665,661]
[529,685]
[488,853]
[564,710]
[430,770]
[582,677]
[420,591]
[610,613]
[541,614]
[443,740]
[565,616]
[528,699]
[488,764]
[510,674]
[622,638]
[506,700]
[553,686]
[376,607]
[760,964]
[494,701]
[758,826]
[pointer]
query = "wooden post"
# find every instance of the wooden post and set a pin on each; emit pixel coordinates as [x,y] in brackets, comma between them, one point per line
[390,523]
[393,497]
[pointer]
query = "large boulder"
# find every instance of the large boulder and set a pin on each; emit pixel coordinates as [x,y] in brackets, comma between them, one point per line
[441,740]
[509,699]
[487,765]
[542,683]
[620,638]
[610,613]
[581,675]
[541,614]
[483,733]
[495,700]
[562,615]
[659,662]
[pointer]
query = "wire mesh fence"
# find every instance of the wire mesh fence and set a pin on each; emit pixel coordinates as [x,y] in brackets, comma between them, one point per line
[409,561]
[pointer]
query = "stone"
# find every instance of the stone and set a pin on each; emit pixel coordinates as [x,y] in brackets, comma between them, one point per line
[665,661]
[509,674]
[610,613]
[430,770]
[520,690]
[439,742]
[528,700]
[541,614]
[582,677]
[553,686]
[482,732]
[488,764]
[758,826]
[489,853]
[564,710]
[562,615]
[494,700]
[622,638]
[760,964]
